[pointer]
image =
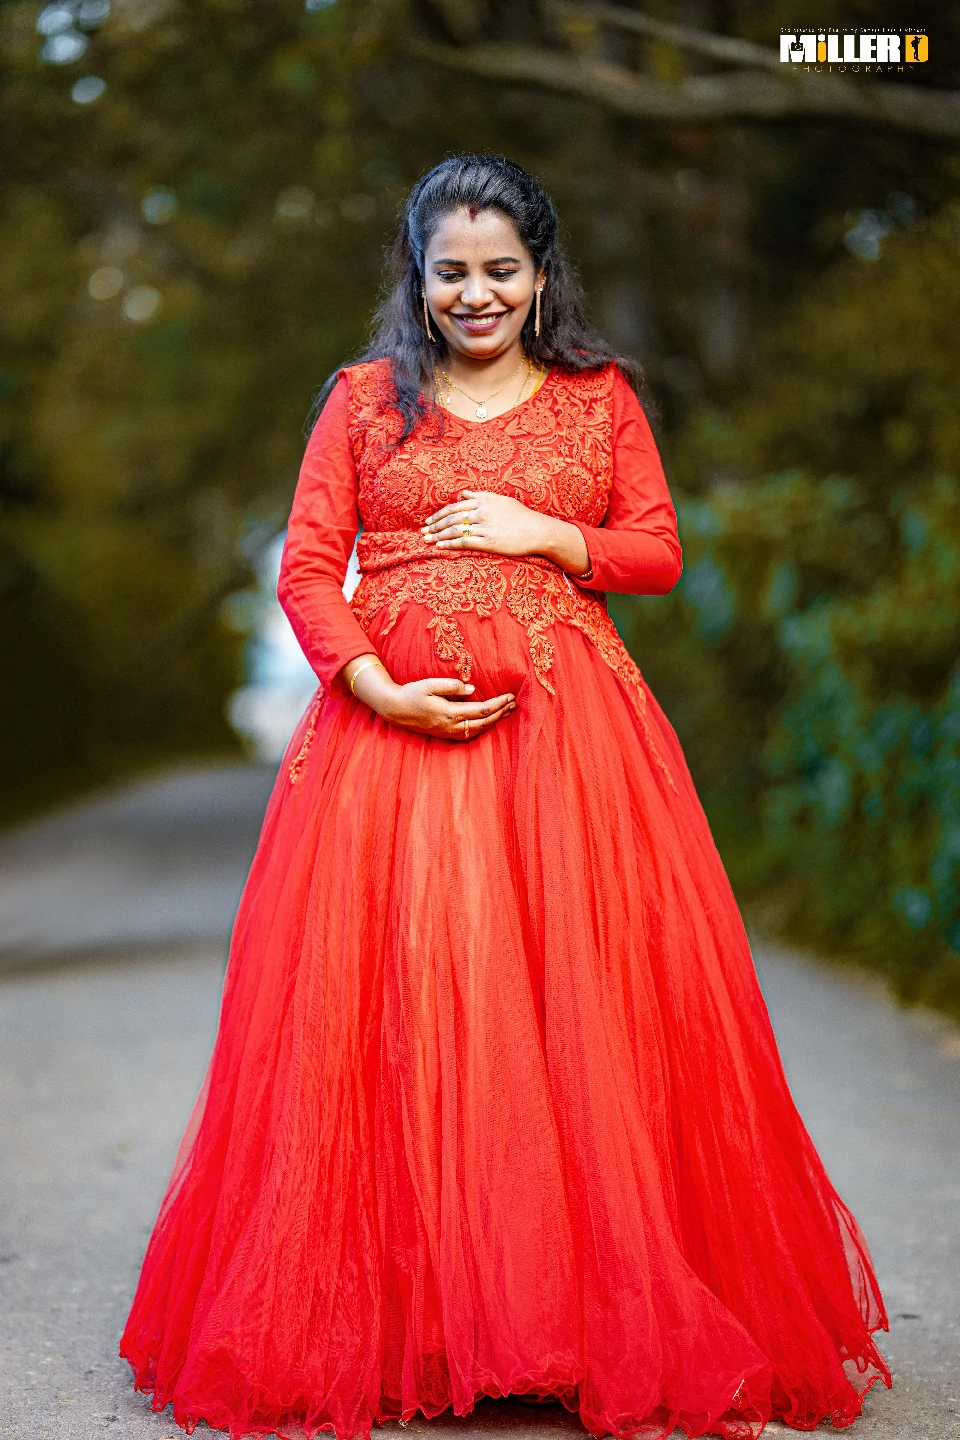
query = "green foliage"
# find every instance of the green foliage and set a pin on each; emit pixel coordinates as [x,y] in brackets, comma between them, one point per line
[822,603]
[171,262]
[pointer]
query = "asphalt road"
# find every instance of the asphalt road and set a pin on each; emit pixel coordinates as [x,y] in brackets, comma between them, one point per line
[155,865]
[105,1027]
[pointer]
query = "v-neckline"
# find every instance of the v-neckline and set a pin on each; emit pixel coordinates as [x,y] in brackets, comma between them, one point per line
[504,414]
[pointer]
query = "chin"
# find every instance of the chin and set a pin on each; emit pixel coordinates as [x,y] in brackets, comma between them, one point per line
[482,347]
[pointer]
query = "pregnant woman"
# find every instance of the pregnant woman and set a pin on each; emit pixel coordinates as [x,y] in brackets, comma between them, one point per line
[495,1106]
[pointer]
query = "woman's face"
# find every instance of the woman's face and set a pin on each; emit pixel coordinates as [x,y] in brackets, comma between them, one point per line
[480,281]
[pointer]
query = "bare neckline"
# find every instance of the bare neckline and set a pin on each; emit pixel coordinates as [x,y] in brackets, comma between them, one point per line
[485,424]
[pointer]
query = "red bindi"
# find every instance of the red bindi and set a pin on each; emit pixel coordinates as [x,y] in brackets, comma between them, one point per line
[472,212]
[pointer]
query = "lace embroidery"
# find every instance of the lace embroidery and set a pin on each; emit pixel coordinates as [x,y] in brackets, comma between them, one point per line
[479,587]
[554,453]
[299,760]
[536,594]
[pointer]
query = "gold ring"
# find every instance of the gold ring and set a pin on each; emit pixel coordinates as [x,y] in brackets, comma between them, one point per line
[466,728]
[465,528]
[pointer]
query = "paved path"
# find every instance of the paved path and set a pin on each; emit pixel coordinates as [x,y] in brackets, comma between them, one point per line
[100,1062]
[154,865]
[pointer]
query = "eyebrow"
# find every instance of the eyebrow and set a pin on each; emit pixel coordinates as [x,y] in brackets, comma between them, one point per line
[500,260]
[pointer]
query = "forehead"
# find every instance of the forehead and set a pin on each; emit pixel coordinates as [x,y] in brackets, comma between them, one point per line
[485,236]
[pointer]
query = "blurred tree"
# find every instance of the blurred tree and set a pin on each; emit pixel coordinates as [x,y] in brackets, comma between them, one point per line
[573,57]
[179,218]
[821,600]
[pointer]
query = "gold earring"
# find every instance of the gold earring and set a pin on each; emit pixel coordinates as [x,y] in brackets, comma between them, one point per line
[426,313]
[536,318]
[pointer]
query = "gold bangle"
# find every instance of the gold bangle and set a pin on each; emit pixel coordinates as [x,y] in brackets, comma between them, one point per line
[352,681]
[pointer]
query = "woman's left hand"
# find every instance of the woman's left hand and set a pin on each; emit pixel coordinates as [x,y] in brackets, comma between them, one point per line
[497,523]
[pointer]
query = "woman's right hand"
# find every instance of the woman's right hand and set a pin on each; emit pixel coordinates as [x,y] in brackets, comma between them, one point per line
[438,706]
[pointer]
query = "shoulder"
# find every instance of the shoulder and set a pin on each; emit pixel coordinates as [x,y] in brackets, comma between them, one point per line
[605,388]
[586,398]
[367,378]
[362,370]
[605,401]
[596,382]
[621,390]
[628,408]
[370,403]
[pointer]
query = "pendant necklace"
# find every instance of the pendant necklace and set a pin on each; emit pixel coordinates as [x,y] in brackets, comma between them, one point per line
[481,411]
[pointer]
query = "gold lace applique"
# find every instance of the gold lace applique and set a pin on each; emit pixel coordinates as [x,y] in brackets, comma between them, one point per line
[536,594]
[299,760]
[539,598]
[478,587]
[554,454]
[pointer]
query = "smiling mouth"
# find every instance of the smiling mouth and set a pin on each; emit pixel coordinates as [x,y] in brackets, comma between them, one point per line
[479,324]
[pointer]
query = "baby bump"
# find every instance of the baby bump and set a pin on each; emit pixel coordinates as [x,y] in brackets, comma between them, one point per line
[489,619]
[453,623]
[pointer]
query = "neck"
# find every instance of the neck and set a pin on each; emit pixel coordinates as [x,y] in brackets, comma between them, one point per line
[482,375]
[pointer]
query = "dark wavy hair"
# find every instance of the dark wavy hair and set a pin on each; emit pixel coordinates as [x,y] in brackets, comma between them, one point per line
[485,182]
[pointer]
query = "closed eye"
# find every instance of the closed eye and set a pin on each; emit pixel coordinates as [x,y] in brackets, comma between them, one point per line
[457,277]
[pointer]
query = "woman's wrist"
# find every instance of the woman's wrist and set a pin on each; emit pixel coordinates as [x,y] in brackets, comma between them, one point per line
[367,678]
[563,543]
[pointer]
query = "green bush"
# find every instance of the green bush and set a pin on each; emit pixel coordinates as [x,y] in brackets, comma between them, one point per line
[809,658]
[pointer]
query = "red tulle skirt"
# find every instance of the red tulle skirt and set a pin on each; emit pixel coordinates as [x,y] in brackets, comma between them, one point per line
[495,1105]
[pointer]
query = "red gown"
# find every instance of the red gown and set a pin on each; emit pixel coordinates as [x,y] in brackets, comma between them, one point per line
[495,1105]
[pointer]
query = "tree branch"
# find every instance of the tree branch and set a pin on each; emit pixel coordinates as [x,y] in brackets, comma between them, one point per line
[709,99]
[718,47]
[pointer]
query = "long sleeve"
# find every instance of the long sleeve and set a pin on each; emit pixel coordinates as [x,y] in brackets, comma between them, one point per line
[323,526]
[636,549]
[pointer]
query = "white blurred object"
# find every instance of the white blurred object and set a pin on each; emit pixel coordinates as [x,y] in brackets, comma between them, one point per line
[54,19]
[106,282]
[142,303]
[63,48]
[281,683]
[87,89]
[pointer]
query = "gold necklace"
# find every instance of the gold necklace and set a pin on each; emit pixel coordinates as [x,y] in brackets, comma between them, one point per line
[541,371]
[523,388]
[481,410]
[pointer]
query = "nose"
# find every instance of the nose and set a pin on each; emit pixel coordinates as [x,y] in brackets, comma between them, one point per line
[476,292]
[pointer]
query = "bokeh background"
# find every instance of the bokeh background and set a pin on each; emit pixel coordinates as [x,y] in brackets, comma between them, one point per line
[196,198]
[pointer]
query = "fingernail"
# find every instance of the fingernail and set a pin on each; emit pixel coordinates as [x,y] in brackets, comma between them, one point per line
[471,687]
